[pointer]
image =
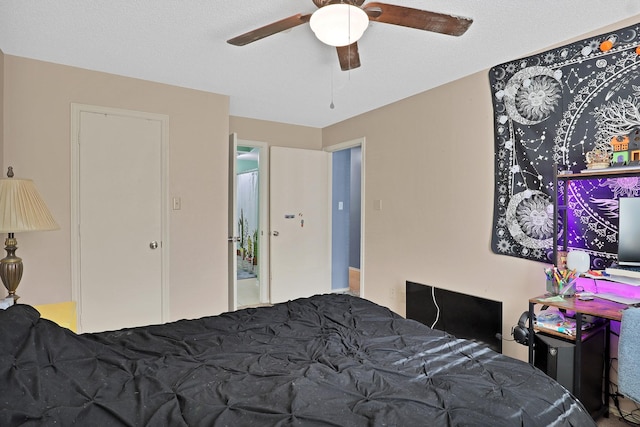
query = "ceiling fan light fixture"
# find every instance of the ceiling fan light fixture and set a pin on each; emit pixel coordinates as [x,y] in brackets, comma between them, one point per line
[339,24]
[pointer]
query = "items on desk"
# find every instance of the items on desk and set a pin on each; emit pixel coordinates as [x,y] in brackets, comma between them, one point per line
[633,281]
[626,271]
[620,299]
[560,282]
[580,261]
[596,274]
[556,321]
[585,296]
[606,275]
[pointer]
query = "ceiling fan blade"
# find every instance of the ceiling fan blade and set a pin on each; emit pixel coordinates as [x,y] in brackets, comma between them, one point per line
[268,30]
[418,19]
[348,56]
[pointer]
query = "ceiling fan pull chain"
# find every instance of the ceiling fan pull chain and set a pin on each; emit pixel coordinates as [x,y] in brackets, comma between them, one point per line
[331,105]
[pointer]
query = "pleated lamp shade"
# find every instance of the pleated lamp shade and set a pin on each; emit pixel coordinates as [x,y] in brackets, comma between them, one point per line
[22,208]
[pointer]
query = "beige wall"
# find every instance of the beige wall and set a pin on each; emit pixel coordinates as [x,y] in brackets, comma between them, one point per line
[429,158]
[1,106]
[37,99]
[276,134]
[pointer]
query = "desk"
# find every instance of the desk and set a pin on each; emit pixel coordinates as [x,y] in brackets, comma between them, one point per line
[604,309]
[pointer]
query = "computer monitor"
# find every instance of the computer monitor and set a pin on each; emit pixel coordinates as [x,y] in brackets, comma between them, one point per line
[629,231]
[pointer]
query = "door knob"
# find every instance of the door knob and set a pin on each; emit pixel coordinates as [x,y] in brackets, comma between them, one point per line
[276,233]
[153,245]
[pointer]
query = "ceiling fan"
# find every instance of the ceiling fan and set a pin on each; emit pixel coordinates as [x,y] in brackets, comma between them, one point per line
[356,17]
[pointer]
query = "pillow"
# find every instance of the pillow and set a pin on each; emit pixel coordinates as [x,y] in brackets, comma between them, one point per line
[62,313]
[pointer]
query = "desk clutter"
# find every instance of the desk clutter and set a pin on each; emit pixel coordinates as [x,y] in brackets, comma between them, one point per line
[574,357]
[617,278]
[555,320]
[560,281]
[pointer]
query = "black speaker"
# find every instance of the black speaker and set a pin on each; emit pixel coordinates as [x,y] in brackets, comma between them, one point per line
[520,332]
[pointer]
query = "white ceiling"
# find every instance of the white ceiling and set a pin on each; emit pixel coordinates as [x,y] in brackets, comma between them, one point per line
[289,77]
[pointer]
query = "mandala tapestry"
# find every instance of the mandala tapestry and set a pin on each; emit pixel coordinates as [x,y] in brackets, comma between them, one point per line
[551,109]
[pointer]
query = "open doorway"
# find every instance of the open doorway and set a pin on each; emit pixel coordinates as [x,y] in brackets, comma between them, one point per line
[347,217]
[250,273]
[251,253]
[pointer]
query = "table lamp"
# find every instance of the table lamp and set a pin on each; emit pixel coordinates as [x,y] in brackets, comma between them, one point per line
[21,209]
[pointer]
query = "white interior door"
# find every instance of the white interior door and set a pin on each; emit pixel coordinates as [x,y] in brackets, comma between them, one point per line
[119,191]
[299,223]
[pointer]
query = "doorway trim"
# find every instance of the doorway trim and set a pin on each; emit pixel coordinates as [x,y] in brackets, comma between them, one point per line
[264,276]
[76,111]
[358,142]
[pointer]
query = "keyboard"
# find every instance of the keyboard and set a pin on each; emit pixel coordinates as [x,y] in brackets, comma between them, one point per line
[617,298]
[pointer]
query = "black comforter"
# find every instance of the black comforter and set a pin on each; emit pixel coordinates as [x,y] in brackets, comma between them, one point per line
[327,360]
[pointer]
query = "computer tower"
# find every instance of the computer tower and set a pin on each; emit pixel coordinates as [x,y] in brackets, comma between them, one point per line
[556,357]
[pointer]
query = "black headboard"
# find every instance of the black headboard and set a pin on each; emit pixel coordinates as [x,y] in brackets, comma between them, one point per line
[462,315]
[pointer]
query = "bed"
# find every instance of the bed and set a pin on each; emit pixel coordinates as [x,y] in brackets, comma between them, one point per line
[328,360]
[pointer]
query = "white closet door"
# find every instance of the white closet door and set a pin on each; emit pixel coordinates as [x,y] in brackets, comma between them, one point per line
[120,221]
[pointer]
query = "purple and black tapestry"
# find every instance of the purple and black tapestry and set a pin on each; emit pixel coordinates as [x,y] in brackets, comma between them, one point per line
[551,109]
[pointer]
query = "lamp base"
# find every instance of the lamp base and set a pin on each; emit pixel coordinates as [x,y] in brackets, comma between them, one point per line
[11,267]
